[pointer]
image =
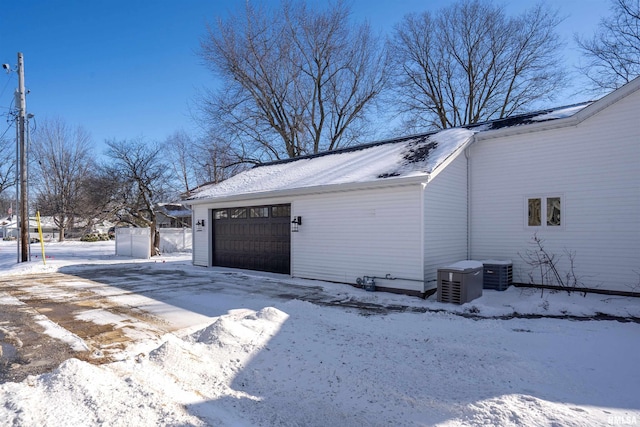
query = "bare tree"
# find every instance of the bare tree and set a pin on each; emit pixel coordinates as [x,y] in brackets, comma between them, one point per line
[7,176]
[613,53]
[98,197]
[546,271]
[470,62]
[180,150]
[195,162]
[217,160]
[297,80]
[142,175]
[7,164]
[63,160]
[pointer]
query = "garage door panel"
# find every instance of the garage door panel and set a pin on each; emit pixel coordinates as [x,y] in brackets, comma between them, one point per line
[256,243]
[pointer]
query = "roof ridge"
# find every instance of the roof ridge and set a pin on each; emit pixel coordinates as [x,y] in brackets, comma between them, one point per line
[523,117]
[351,148]
[358,147]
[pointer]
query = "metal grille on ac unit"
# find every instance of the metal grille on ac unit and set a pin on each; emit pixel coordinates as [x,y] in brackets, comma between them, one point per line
[497,275]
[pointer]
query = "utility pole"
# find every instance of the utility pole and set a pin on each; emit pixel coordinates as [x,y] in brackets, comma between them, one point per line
[17,210]
[24,214]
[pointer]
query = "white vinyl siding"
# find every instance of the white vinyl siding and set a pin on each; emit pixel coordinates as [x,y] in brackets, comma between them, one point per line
[201,236]
[350,234]
[445,219]
[594,166]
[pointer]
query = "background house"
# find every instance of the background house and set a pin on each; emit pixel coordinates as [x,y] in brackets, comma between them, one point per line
[10,230]
[398,210]
[173,215]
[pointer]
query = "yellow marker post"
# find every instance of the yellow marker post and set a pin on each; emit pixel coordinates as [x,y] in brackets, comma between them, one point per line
[41,238]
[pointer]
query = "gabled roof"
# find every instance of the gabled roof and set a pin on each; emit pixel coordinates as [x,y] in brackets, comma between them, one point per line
[536,117]
[414,156]
[45,222]
[391,161]
[177,210]
[570,115]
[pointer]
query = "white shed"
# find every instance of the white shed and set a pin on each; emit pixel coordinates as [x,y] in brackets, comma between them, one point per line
[398,210]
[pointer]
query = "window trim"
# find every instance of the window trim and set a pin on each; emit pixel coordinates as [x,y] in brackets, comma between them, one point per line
[220,214]
[228,213]
[543,211]
[528,208]
[233,213]
[254,209]
[278,214]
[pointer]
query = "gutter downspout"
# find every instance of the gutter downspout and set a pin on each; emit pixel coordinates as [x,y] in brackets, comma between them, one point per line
[423,240]
[468,157]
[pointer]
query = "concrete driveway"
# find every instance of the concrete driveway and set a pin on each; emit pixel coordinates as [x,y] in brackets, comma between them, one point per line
[44,320]
[98,313]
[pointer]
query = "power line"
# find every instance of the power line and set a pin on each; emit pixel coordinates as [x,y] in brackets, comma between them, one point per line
[10,108]
[6,84]
[9,112]
[6,130]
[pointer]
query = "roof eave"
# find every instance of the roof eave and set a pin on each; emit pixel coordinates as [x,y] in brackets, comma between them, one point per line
[528,128]
[573,120]
[609,99]
[318,189]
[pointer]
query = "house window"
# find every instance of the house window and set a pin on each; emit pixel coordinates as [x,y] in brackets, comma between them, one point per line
[553,211]
[281,211]
[544,211]
[259,212]
[535,212]
[223,214]
[238,213]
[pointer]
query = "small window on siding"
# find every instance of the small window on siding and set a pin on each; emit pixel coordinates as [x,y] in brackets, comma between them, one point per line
[259,212]
[535,212]
[223,214]
[238,213]
[281,211]
[553,211]
[544,211]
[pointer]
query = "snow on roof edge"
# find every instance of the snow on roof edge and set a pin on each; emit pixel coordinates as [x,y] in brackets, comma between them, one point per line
[321,176]
[384,161]
[352,148]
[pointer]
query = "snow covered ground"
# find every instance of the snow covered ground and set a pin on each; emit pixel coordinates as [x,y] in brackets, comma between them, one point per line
[242,354]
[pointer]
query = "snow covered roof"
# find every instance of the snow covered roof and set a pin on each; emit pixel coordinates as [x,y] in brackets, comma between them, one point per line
[45,222]
[415,156]
[385,161]
[174,209]
[535,117]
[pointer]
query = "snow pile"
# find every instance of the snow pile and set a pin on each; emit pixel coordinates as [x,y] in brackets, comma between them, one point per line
[242,354]
[80,394]
[537,302]
[318,366]
[242,332]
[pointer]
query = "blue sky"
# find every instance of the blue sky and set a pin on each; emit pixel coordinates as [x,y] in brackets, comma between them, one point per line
[129,68]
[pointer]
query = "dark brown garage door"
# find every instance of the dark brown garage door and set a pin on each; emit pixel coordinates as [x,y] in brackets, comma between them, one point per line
[255,238]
